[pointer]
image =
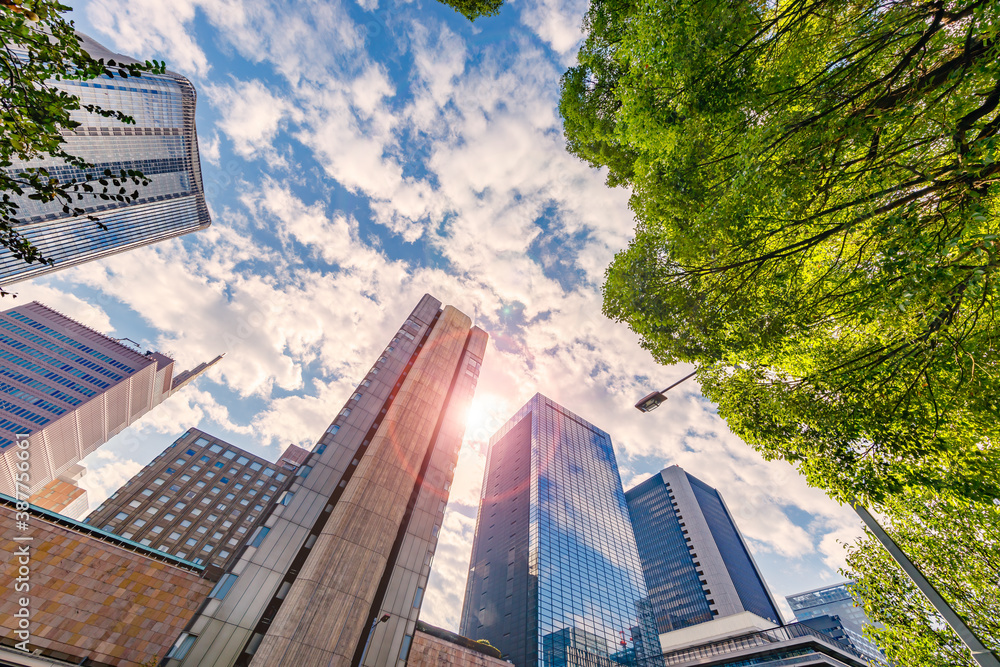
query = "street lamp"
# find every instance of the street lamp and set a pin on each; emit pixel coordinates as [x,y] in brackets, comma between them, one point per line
[982,655]
[652,401]
[371,631]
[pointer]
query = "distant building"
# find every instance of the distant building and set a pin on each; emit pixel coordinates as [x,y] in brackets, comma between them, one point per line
[162,144]
[555,578]
[696,564]
[837,601]
[353,538]
[70,389]
[198,499]
[745,639]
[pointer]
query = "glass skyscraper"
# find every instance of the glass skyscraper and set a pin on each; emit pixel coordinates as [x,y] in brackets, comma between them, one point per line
[162,144]
[696,564]
[68,389]
[837,601]
[555,578]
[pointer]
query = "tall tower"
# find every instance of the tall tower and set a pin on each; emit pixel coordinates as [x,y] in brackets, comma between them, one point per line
[696,563]
[162,144]
[198,499]
[68,389]
[555,578]
[354,541]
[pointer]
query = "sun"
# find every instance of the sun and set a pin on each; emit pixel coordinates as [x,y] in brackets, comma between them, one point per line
[479,423]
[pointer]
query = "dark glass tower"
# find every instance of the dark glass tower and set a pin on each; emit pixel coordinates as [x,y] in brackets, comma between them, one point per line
[555,578]
[696,564]
[162,144]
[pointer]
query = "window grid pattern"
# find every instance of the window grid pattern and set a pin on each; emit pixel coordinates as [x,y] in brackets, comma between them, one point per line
[837,601]
[194,510]
[676,595]
[582,573]
[162,144]
[44,376]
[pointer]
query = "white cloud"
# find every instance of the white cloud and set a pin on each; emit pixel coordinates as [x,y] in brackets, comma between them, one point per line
[460,154]
[106,473]
[251,116]
[210,149]
[148,29]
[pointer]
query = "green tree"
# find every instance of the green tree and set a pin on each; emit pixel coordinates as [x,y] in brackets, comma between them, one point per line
[818,222]
[38,49]
[473,9]
[955,544]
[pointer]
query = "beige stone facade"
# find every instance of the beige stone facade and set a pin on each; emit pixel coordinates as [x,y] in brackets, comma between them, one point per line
[344,568]
[90,598]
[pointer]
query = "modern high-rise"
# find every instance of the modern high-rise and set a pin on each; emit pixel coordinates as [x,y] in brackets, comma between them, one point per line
[69,389]
[162,144]
[696,564]
[837,601]
[353,540]
[198,499]
[555,578]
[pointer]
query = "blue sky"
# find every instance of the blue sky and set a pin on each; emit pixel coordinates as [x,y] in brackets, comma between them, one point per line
[357,154]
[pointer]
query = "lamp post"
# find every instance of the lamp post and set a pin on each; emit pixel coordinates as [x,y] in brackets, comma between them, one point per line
[371,631]
[982,655]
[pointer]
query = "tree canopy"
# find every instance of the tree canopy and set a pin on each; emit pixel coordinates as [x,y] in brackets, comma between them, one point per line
[473,9]
[815,184]
[38,49]
[954,544]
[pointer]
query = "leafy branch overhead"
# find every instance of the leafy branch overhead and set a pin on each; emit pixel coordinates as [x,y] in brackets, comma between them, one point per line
[473,9]
[815,185]
[39,50]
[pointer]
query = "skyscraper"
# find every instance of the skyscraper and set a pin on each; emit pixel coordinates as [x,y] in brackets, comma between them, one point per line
[70,389]
[354,541]
[696,564]
[162,144]
[837,601]
[555,578]
[198,499]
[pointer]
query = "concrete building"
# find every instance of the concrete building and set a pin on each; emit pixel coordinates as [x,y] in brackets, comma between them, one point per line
[838,602]
[162,144]
[198,499]
[354,538]
[555,578]
[696,564]
[70,389]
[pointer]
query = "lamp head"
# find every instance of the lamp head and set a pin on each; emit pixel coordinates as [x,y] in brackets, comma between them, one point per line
[650,402]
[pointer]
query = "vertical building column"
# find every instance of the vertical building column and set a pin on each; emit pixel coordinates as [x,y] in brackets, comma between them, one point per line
[323,618]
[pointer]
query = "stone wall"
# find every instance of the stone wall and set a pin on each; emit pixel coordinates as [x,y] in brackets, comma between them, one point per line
[429,651]
[90,598]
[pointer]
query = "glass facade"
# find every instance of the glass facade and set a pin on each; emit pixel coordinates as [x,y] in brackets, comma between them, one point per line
[162,144]
[44,373]
[555,577]
[837,601]
[696,564]
[675,591]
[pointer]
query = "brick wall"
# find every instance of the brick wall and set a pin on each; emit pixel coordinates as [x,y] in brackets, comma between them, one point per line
[90,598]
